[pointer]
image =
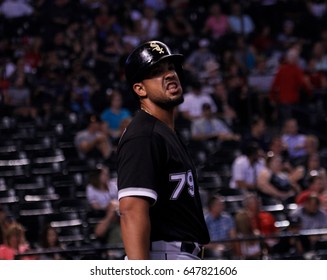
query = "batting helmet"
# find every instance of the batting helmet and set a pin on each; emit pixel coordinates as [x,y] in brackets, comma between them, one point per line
[147,55]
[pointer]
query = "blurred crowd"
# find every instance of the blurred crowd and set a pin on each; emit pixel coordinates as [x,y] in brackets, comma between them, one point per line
[255,98]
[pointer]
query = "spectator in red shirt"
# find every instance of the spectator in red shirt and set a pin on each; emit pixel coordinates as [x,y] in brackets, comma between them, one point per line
[15,243]
[262,221]
[288,84]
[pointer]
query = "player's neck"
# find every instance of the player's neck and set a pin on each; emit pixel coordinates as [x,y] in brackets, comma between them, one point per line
[166,116]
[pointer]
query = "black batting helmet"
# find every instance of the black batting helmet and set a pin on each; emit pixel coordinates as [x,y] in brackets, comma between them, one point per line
[147,55]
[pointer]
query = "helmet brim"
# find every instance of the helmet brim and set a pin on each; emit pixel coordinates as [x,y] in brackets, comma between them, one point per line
[177,59]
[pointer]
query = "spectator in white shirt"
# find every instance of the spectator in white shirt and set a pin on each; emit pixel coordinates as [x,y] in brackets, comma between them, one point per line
[210,127]
[246,168]
[293,140]
[191,108]
[239,22]
[15,9]
[101,190]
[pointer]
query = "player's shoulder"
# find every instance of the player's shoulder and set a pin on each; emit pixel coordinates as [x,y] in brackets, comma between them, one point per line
[142,126]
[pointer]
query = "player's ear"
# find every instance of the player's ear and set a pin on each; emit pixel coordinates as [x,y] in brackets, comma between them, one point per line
[139,89]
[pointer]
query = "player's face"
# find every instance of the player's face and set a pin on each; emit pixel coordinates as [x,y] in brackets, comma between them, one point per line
[163,86]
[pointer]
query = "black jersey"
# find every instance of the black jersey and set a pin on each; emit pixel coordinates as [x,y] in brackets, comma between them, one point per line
[153,162]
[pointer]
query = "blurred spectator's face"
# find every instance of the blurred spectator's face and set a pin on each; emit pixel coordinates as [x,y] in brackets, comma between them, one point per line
[19,82]
[236,9]
[149,12]
[215,10]
[260,127]
[116,101]
[291,127]
[15,239]
[2,217]
[261,66]
[59,39]
[323,200]
[255,156]
[311,144]
[276,163]
[253,205]
[318,50]
[312,64]
[288,28]
[95,126]
[61,2]
[317,185]
[217,208]
[52,237]
[277,145]
[104,176]
[311,205]
[207,112]
[220,91]
[314,162]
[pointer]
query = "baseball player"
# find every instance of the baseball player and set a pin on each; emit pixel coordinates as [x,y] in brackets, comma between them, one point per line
[159,203]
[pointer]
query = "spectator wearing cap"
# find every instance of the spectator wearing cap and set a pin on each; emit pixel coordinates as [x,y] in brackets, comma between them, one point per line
[212,129]
[197,62]
[93,141]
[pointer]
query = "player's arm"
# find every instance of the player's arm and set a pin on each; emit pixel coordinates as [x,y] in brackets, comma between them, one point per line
[135,226]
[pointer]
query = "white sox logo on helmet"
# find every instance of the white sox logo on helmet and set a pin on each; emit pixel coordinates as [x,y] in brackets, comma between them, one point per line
[156,47]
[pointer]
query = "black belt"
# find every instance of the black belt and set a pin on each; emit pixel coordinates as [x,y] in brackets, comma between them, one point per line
[192,248]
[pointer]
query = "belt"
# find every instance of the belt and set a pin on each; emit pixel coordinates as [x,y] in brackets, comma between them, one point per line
[192,248]
[177,246]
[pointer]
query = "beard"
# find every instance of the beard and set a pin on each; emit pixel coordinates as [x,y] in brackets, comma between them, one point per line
[169,103]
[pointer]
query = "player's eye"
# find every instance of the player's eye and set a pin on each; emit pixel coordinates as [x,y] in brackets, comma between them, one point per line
[155,71]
